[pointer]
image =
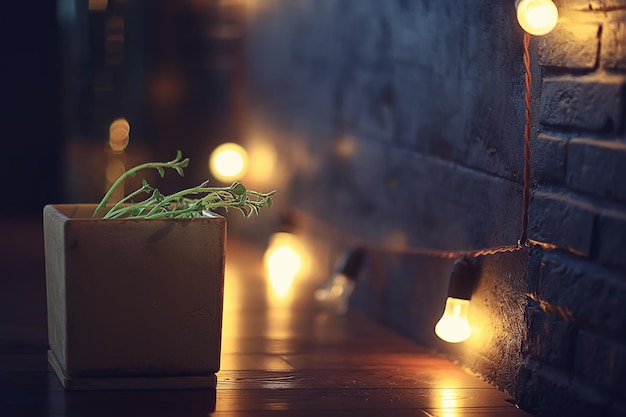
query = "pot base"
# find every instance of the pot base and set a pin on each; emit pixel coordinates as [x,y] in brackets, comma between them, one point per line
[93,383]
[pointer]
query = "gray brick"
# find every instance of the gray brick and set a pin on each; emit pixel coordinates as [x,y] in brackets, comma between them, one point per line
[597,167]
[614,46]
[560,220]
[582,400]
[550,338]
[612,238]
[548,392]
[541,390]
[534,269]
[590,103]
[573,46]
[601,362]
[548,159]
[584,292]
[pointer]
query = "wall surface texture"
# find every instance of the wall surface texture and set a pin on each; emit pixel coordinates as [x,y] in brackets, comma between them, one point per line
[399,124]
[576,317]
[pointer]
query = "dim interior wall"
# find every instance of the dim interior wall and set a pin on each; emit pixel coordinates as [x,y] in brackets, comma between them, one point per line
[402,122]
[399,124]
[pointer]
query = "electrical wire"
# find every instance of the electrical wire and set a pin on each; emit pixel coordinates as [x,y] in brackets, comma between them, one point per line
[523,240]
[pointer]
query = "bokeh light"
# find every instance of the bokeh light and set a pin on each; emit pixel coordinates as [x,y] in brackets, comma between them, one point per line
[119,134]
[283,262]
[229,162]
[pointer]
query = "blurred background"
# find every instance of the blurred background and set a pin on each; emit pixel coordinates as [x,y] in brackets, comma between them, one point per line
[31,116]
[171,69]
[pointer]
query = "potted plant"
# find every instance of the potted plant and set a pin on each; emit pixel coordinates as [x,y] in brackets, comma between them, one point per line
[135,288]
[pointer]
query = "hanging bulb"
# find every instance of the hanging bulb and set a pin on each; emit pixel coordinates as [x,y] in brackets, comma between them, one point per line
[284,257]
[229,162]
[537,17]
[335,294]
[283,261]
[453,327]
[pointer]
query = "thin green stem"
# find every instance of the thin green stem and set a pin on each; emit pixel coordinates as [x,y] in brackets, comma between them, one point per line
[176,163]
[129,197]
[180,204]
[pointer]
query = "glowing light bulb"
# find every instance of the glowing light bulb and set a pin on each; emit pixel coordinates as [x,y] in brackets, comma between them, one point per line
[229,162]
[283,262]
[453,327]
[537,17]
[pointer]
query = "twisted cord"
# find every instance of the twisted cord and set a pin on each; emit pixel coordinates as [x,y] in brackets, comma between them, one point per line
[446,254]
[523,240]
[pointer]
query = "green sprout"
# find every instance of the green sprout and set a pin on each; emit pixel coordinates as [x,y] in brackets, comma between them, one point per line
[198,201]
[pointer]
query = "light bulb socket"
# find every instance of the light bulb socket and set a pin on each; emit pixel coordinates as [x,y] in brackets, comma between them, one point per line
[463,278]
[351,262]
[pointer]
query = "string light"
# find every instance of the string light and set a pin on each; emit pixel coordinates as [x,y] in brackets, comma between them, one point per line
[537,17]
[283,258]
[454,326]
[283,262]
[335,294]
[229,162]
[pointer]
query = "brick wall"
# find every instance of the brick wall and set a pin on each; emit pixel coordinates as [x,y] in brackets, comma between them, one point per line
[400,124]
[575,355]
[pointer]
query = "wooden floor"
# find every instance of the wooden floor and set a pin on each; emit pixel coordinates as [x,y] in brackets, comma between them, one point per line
[280,357]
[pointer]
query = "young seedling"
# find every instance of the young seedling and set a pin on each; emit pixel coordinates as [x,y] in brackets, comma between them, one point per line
[198,201]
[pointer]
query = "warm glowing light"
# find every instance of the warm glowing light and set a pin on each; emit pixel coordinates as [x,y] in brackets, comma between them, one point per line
[114,169]
[233,288]
[263,161]
[453,327]
[280,281]
[229,162]
[448,402]
[119,132]
[283,262]
[537,17]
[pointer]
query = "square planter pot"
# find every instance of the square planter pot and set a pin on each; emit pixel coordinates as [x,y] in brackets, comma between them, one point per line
[133,304]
